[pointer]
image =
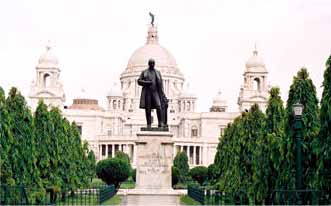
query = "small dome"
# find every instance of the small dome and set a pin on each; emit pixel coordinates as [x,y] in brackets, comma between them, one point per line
[83,102]
[187,93]
[255,63]
[219,104]
[115,91]
[48,59]
[219,101]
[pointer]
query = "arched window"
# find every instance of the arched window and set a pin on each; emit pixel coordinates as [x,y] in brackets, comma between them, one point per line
[46,80]
[257,84]
[114,104]
[194,131]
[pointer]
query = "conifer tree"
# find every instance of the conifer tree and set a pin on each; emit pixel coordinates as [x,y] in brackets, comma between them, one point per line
[23,151]
[6,141]
[43,132]
[301,91]
[269,149]
[323,147]
[91,164]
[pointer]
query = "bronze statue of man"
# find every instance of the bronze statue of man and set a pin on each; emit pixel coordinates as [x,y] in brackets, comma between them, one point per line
[152,94]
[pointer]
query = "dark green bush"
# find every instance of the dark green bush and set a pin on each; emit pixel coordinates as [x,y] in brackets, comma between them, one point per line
[113,171]
[174,175]
[199,174]
[181,163]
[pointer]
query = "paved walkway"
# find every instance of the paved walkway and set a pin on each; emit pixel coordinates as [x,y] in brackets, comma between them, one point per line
[143,200]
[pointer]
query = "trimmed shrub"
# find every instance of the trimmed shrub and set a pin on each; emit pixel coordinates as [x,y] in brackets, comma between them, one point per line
[174,175]
[199,174]
[113,171]
[181,163]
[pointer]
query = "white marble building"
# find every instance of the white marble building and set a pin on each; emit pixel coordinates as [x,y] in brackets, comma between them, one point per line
[114,128]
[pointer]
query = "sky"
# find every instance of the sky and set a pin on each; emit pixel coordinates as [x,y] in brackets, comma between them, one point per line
[210,39]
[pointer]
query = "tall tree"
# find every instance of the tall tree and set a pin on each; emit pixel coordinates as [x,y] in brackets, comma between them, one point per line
[236,155]
[57,148]
[269,148]
[6,141]
[323,148]
[253,130]
[43,131]
[23,151]
[92,164]
[301,91]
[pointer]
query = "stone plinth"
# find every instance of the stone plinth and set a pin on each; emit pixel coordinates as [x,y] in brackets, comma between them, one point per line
[154,161]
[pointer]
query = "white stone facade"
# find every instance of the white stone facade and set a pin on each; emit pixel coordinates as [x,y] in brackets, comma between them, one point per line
[115,128]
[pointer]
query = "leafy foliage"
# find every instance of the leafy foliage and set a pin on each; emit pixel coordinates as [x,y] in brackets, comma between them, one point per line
[43,151]
[174,175]
[301,91]
[199,174]
[181,163]
[323,146]
[113,171]
[6,141]
[268,153]
[23,151]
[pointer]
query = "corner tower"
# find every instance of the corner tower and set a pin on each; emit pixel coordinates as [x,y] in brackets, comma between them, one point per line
[255,88]
[47,85]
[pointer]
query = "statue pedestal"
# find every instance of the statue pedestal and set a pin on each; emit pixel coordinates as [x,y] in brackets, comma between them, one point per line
[154,161]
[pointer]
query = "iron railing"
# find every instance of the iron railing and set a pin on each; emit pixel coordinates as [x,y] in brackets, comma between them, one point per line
[20,195]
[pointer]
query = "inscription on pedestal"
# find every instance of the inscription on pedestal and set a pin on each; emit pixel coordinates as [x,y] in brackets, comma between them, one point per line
[154,160]
[153,164]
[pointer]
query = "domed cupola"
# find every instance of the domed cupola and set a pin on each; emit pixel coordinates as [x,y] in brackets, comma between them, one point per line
[255,88]
[47,59]
[219,104]
[255,63]
[47,85]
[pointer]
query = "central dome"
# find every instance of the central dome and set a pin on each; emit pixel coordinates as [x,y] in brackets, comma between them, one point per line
[161,55]
[164,61]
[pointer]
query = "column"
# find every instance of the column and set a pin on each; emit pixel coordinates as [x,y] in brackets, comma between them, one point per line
[188,152]
[127,149]
[181,148]
[100,152]
[106,151]
[205,150]
[174,152]
[113,151]
[194,156]
[134,154]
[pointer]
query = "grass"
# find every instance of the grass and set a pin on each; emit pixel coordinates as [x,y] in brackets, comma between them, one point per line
[116,200]
[186,200]
[128,185]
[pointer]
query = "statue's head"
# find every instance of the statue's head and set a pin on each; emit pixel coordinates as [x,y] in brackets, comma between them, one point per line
[151,63]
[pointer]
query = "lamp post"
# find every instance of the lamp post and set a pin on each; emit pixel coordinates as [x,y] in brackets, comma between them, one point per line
[297,111]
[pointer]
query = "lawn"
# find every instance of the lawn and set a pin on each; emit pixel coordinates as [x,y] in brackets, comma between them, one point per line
[186,200]
[116,200]
[128,185]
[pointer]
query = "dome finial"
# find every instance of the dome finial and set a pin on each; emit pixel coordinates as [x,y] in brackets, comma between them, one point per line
[255,49]
[152,18]
[152,37]
[48,45]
